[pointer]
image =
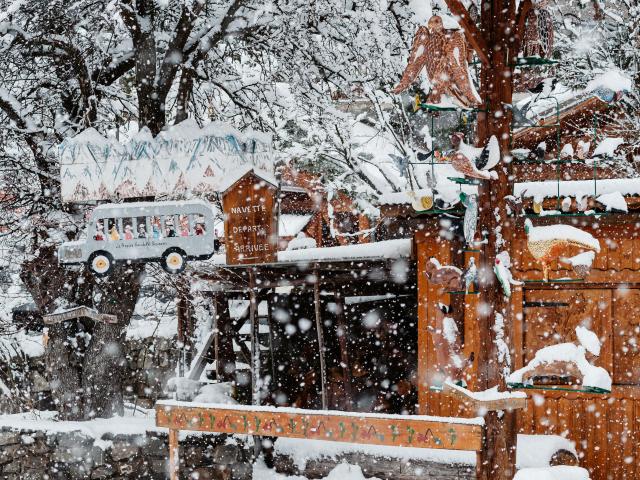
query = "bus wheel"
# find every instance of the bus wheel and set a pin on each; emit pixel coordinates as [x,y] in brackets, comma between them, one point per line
[174,260]
[101,263]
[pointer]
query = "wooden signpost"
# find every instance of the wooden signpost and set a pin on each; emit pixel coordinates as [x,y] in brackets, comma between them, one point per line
[251,220]
[370,429]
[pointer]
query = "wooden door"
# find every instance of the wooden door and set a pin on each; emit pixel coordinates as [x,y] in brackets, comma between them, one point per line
[626,336]
[551,317]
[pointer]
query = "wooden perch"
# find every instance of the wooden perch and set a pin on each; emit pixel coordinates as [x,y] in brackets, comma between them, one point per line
[79,312]
[465,396]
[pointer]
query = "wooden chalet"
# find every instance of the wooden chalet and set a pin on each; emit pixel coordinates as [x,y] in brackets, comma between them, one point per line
[347,325]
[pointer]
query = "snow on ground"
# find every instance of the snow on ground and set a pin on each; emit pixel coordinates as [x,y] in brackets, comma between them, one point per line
[560,472]
[343,471]
[302,451]
[536,450]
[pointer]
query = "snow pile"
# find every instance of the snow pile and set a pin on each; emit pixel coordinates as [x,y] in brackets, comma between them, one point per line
[608,146]
[588,340]
[613,201]
[487,395]
[301,242]
[596,377]
[562,232]
[536,450]
[183,158]
[560,472]
[216,393]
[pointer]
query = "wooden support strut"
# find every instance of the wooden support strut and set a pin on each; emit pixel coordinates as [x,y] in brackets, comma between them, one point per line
[344,353]
[319,329]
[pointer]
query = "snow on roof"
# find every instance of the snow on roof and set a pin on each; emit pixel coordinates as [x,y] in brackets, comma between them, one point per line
[607,147]
[613,80]
[184,158]
[233,176]
[562,232]
[577,188]
[387,249]
[290,225]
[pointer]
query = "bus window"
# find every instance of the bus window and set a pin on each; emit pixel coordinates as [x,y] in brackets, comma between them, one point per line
[156,228]
[199,228]
[114,233]
[128,228]
[99,233]
[169,226]
[141,231]
[185,230]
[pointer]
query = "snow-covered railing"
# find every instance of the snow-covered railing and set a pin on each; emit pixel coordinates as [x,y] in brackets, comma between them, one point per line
[419,431]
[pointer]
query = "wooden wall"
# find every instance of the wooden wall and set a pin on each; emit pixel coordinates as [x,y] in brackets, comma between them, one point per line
[606,428]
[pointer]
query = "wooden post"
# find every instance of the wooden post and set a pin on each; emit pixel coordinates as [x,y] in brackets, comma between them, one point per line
[319,328]
[255,340]
[174,454]
[344,354]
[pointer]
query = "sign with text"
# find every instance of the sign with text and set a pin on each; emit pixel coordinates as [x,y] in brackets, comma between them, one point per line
[251,223]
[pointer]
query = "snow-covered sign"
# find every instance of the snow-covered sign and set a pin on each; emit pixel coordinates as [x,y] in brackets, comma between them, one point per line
[183,159]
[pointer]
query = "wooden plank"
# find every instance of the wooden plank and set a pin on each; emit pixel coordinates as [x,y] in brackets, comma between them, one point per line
[627,260]
[517,301]
[174,460]
[370,429]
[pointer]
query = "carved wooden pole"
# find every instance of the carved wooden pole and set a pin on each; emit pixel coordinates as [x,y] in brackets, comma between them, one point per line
[497,37]
[320,331]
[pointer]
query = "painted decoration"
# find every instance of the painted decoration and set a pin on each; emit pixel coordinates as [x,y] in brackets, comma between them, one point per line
[185,158]
[251,224]
[444,54]
[470,222]
[373,429]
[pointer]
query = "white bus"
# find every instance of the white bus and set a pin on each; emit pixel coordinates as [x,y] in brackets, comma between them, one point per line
[169,232]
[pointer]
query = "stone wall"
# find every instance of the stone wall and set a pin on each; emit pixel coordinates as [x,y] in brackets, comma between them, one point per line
[150,363]
[30,455]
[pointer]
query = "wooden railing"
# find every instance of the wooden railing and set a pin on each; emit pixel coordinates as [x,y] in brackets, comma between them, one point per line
[372,429]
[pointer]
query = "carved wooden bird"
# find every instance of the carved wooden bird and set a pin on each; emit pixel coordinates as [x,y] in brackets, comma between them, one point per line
[548,243]
[473,161]
[448,276]
[538,32]
[444,54]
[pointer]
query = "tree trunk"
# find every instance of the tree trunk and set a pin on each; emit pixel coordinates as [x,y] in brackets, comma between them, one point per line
[104,366]
[64,372]
[496,85]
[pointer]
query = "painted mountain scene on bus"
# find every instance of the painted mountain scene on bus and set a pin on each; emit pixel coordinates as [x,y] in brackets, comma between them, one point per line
[183,159]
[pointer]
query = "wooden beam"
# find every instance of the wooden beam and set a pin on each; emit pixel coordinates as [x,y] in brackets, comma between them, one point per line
[472,32]
[344,353]
[174,459]
[320,333]
[362,428]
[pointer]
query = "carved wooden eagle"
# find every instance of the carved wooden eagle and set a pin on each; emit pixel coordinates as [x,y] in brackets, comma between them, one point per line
[444,54]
